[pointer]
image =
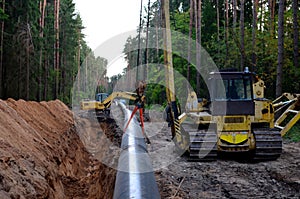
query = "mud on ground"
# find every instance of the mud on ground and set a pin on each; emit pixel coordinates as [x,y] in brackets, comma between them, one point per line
[224,178]
[229,177]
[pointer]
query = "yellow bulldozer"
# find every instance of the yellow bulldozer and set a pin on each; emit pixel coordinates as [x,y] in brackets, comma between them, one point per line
[237,119]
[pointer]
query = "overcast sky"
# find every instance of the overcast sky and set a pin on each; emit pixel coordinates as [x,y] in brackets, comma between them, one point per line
[104,19]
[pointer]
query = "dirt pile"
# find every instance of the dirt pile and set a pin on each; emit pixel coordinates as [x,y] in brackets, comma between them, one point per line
[42,156]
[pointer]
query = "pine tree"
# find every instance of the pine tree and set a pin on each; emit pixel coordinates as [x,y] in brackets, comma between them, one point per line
[280,48]
[296,33]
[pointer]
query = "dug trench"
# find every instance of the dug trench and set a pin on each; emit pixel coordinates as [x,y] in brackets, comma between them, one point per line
[42,155]
[48,152]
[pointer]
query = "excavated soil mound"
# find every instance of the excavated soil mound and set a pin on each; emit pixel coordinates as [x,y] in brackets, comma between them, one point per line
[42,156]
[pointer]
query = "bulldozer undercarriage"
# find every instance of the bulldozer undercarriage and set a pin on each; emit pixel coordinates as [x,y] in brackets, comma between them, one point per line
[203,144]
[268,144]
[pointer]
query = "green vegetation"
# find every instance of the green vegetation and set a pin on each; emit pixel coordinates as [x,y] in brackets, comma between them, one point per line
[42,49]
[293,134]
[221,31]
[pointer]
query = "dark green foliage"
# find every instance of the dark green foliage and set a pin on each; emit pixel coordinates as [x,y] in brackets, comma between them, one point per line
[29,51]
[293,134]
[265,50]
[28,58]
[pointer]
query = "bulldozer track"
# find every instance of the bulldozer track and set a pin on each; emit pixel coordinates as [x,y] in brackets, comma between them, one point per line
[268,144]
[202,143]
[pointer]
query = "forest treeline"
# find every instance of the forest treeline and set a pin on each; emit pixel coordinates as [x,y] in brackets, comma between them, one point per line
[262,35]
[42,49]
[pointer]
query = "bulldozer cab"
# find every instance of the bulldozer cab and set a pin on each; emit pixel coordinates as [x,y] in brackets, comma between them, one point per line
[231,93]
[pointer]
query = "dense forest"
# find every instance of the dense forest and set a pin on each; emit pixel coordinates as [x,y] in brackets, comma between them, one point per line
[43,49]
[261,35]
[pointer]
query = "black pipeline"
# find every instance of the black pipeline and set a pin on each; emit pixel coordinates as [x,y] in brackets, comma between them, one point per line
[135,176]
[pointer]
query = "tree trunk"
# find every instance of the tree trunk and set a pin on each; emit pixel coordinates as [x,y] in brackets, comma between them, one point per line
[39,92]
[272,16]
[132,75]
[28,60]
[138,62]
[46,74]
[190,38]
[254,28]
[57,49]
[157,27]
[218,27]
[56,46]
[147,41]
[87,64]
[1,52]
[20,83]
[54,53]
[65,76]
[128,73]
[242,32]
[296,34]
[226,28]
[234,14]
[280,48]
[198,47]
[261,24]
[78,67]
[43,4]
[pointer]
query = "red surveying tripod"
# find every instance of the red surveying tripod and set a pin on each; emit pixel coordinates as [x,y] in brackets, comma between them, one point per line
[139,105]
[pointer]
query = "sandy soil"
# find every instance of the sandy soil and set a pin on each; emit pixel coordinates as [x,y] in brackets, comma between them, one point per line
[42,156]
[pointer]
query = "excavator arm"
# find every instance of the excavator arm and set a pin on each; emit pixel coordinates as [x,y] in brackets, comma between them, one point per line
[124,95]
[105,104]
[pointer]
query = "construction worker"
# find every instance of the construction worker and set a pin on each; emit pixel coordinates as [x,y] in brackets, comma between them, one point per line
[140,101]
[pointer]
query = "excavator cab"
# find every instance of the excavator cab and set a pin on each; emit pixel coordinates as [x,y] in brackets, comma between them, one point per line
[100,97]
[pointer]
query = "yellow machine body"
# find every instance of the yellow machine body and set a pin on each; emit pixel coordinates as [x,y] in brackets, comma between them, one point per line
[104,100]
[247,125]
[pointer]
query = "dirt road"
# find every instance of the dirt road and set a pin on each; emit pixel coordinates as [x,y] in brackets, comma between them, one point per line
[230,178]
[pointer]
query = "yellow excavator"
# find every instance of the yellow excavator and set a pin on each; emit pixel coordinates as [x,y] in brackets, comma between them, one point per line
[101,105]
